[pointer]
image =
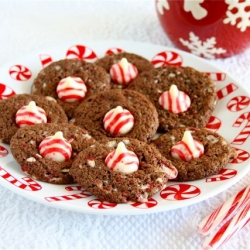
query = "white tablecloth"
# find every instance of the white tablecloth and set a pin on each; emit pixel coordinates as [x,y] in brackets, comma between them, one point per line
[26,26]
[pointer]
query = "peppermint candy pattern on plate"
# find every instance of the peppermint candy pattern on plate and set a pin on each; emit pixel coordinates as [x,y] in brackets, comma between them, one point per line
[20,73]
[5,91]
[230,119]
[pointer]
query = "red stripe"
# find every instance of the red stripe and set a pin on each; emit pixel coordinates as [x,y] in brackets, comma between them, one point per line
[56,150]
[119,158]
[48,142]
[113,121]
[119,126]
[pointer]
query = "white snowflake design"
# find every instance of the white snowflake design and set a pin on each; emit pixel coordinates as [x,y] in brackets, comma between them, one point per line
[161,5]
[242,16]
[206,49]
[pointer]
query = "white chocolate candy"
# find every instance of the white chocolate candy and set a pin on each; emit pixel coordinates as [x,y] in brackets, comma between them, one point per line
[56,148]
[174,100]
[30,115]
[123,72]
[188,148]
[122,160]
[118,121]
[71,89]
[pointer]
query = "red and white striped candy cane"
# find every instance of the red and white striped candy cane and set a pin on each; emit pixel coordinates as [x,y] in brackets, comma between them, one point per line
[28,185]
[83,194]
[112,51]
[216,76]
[242,156]
[167,58]
[231,227]
[225,91]
[20,73]
[5,92]
[245,132]
[98,204]
[144,205]
[223,175]
[81,52]
[45,60]
[224,212]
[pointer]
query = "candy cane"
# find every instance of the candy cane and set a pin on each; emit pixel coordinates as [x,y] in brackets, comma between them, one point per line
[98,204]
[242,156]
[228,89]
[82,194]
[31,186]
[214,123]
[223,175]
[231,227]
[144,205]
[224,212]
[5,92]
[167,58]
[3,151]
[238,103]
[245,132]
[216,76]
[112,51]
[180,192]
[45,60]
[81,52]
[20,73]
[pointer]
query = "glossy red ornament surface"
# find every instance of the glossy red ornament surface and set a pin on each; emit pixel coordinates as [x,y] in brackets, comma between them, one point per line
[207,28]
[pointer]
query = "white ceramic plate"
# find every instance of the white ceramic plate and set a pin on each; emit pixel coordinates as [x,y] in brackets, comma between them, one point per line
[230,119]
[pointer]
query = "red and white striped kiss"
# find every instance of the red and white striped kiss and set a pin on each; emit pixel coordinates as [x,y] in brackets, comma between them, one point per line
[122,160]
[123,72]
[174,100]
[188,148]
[56,148]
[71,89]
[118,121]
[30,115]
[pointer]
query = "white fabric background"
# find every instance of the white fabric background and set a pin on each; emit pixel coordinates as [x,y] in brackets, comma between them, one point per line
[27,26]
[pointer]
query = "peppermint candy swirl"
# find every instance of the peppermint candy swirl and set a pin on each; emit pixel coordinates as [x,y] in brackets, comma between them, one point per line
[71,89]
[123,72]
[30,115]
[56,148]
[174,100]
[118,121]
[122,160]
[188,148]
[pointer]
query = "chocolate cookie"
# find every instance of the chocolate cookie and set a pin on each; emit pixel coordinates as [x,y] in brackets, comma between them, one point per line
[89,169]
[198,86]
[217,153]
[142,116]
[95,78]
[141,63]
[10,106]
[26,149]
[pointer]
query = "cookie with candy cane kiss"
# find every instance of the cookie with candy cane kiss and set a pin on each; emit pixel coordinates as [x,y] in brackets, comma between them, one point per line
[191,101]
[195,152]
[70,81]
[112,62]
[118,113]
[25,110]
[45,151]
[120,170]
